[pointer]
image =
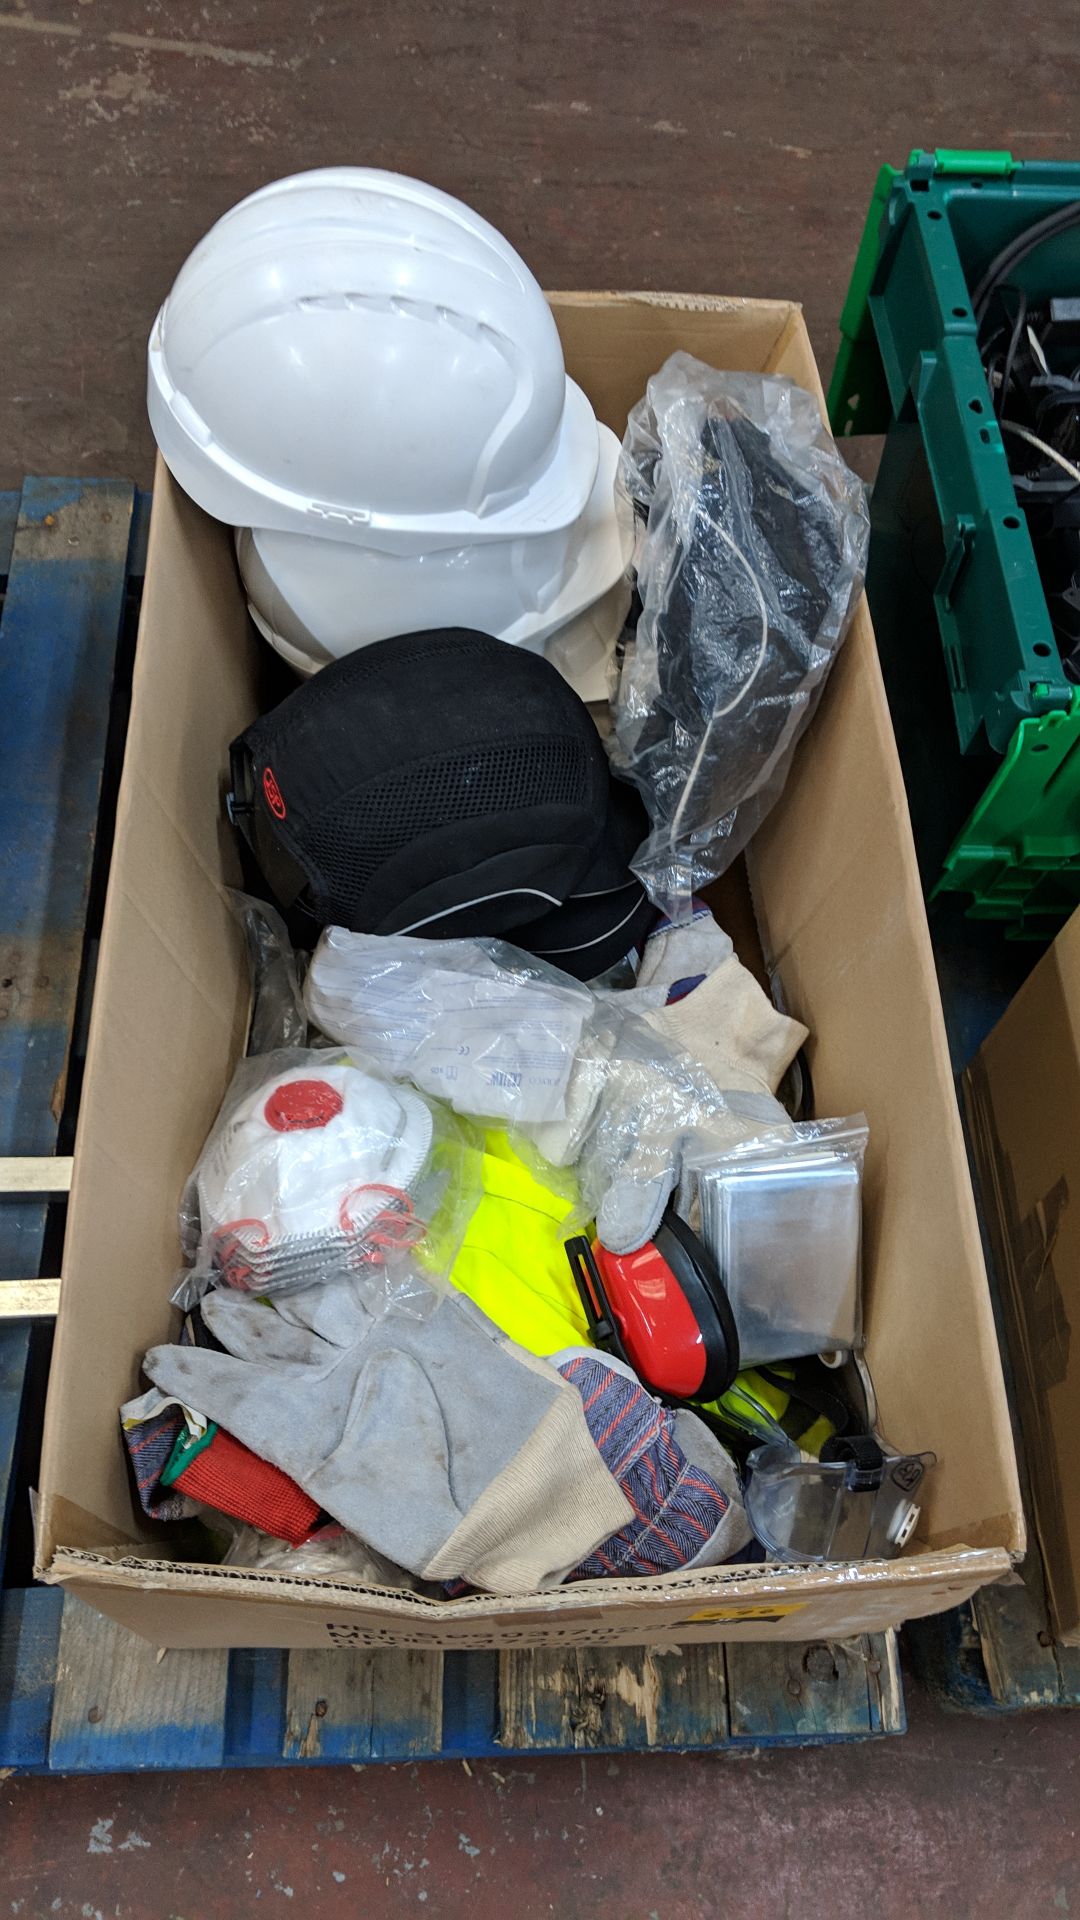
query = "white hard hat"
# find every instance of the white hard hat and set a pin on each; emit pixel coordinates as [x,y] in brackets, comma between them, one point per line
[355,354]
[315,600]
[582,650]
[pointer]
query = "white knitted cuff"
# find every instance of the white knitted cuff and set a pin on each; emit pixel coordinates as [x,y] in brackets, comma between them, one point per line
[732,1027]
[551,1507]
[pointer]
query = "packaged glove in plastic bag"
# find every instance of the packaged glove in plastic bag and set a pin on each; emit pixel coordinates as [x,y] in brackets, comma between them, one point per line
[315,1167]
[588,1079]
[782,1217]
[476,1023]
[636,1105]
[750,563]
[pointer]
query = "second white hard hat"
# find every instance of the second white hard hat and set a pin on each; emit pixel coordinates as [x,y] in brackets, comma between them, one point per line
[315,600]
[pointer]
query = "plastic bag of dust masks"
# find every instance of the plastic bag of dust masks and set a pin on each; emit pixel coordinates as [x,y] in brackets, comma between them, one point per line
[517,1245]
[317,1166]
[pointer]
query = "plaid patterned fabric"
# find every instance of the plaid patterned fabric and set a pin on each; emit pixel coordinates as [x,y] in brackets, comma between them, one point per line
[149,1444]
[677,1506]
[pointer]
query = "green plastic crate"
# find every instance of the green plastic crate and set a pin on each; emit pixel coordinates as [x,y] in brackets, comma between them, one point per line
[908,353]
[1019,854]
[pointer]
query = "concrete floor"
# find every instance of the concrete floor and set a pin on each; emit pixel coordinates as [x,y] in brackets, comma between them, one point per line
[720,148]
[962,1818]
[724,148]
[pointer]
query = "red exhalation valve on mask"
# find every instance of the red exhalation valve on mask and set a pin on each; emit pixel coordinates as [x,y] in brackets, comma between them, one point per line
[663,1309]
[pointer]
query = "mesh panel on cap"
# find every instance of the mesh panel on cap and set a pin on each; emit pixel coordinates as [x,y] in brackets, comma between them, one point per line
[351,840]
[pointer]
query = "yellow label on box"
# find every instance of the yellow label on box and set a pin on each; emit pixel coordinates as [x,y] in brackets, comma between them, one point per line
[747,1610]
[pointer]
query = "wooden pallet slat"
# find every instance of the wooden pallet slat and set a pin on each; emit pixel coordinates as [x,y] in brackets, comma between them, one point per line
[1022,1664]
[24,1300]
[61,622]
[594,1698]
[353,1705]
[826,1690]
[997,1654]
[35,1176]
[121,1707]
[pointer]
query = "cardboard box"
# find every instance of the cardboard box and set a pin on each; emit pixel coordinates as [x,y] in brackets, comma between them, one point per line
[1023,1099]
[841,919]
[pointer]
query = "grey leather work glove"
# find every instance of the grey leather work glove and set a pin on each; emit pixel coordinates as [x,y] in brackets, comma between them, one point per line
[435,1440]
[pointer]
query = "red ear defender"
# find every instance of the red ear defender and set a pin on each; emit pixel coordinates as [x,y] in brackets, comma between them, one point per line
[663,1309]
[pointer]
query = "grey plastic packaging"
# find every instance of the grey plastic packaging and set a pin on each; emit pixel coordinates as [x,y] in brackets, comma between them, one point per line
[782,1218]
[752,546]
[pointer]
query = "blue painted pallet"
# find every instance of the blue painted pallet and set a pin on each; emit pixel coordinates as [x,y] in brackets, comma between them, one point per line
[66,567]
[78,1694]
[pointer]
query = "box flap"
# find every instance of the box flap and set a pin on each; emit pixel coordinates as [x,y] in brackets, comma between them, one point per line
[214,1607]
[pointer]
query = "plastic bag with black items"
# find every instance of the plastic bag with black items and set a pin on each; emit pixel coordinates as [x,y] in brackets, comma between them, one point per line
[750,562]
[316,1166]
